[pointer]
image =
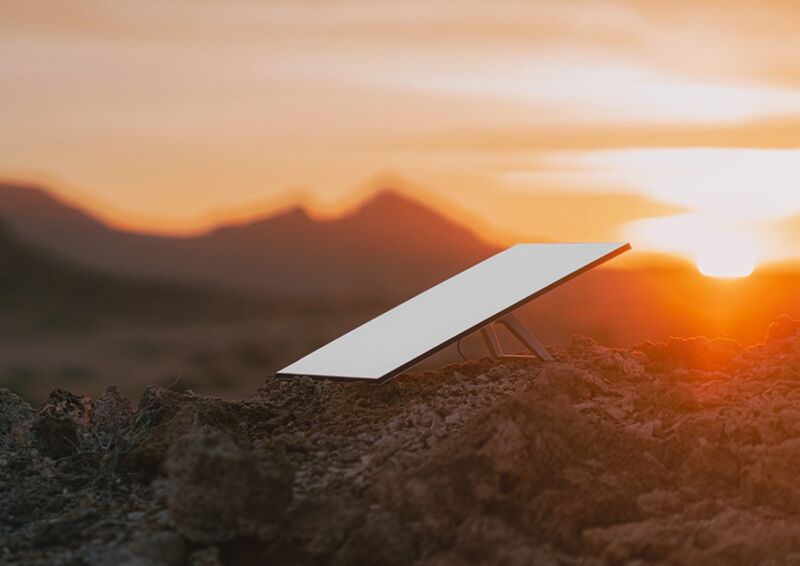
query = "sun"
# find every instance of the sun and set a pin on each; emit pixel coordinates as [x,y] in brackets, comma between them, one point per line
[729,258]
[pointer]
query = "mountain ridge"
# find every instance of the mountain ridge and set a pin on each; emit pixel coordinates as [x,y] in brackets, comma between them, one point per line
[389,245]
[39,291]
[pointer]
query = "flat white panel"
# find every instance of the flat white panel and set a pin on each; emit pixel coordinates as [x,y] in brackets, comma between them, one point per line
[392,341]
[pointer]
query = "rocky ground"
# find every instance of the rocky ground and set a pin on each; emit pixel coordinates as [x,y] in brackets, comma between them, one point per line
[683,451]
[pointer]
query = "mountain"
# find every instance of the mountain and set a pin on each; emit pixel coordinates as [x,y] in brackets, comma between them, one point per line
[391,245]
[38,291]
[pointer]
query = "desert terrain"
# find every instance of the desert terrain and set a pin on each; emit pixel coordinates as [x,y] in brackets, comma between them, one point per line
[681,451]
[141,423]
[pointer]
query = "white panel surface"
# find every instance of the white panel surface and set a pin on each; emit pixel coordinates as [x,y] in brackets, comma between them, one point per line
[393,341]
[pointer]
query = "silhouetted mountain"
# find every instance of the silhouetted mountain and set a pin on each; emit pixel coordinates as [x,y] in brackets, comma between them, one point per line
[391,245]
[42,291]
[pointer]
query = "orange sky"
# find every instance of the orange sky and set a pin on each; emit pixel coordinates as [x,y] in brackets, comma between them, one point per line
[659,122]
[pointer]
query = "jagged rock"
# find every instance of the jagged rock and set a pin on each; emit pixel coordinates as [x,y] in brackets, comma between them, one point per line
[16,419]
[381,539]
[164,548]
[219,491]
[112,415]
[208,556]
[164,416]
[784,327]
[689,353]
[60,423]
[683,452]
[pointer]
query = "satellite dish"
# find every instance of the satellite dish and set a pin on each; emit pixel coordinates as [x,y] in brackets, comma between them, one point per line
[476,299]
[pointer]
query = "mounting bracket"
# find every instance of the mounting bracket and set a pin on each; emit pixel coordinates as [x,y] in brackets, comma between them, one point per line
[520,332]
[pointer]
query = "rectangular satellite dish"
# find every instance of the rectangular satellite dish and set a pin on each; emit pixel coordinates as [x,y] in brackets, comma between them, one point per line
[394,341]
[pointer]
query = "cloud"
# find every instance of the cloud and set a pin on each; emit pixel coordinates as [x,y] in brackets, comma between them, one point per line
[189,105]
[572,216]
[770,132]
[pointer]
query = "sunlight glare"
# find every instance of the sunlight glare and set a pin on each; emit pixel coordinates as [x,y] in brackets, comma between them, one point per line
[716,245]
[737,184]
[729,258]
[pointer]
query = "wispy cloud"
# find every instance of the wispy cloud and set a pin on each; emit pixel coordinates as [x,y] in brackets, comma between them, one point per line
[187,106]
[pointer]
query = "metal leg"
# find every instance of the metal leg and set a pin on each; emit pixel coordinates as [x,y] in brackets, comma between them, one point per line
[491,341]
[520,332]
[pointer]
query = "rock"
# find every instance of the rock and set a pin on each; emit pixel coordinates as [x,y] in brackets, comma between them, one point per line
[163,417]
[16,420]
[164,548]
[61,422]
[381,539]
[680,452]
[219,491]
[689,353]
[112,416]
[783,328]
[208,556]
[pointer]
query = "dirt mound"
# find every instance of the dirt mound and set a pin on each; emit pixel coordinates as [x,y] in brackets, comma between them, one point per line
[682,451]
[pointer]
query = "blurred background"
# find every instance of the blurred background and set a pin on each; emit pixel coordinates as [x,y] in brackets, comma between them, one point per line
[197,193]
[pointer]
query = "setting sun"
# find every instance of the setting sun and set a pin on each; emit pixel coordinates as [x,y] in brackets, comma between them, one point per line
[727,258]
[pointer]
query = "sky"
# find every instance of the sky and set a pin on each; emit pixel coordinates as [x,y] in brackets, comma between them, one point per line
[675,125]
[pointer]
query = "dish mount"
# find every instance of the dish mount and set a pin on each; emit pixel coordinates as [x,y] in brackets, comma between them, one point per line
[475,300]
[515,326]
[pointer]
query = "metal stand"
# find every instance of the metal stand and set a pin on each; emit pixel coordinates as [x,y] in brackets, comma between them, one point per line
[520,332]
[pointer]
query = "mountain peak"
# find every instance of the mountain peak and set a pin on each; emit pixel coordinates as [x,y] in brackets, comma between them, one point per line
[392,242]
[393,202]
[25,194]
[296,213]
[292,218]
[40,216]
